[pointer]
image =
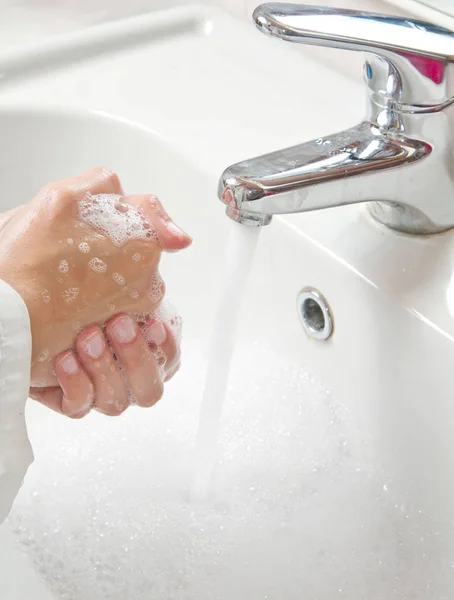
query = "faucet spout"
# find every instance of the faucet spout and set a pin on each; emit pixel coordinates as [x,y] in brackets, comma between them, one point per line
[361,164]
[399,159]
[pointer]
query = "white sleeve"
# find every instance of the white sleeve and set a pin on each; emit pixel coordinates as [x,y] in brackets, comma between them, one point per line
[15,355]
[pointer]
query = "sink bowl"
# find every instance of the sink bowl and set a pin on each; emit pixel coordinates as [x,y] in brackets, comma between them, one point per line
[326,462]
[336,456]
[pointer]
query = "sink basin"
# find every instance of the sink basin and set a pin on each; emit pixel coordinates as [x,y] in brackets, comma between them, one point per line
[337,456]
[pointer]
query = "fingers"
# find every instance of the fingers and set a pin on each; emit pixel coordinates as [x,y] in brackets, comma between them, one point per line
[164,345]
[171,349]
[74,397]
[78,391]
[93,379]
[171,237]
[111,397]
[101,180]
[140,366]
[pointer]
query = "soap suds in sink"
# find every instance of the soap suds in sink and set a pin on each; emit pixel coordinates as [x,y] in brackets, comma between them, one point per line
[298,512]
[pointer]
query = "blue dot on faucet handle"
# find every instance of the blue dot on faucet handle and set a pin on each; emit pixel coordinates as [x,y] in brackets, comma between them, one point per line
[369,72]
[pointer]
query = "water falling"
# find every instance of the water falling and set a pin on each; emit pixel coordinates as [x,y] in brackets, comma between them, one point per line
[239,257]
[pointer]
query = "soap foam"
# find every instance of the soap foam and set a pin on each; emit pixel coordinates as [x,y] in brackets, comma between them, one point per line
[167,313]
[43,355]
[63,267]
[118,278]
[299,512]
[97,265]
[70,294]
[84,247]
[118,221]
[155,288]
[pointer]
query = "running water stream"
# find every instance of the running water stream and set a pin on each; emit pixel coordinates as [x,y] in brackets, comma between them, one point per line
[239,256]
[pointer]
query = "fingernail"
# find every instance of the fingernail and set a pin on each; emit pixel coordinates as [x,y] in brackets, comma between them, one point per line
[94,345]
[124,329]
[69,363]
[156,333]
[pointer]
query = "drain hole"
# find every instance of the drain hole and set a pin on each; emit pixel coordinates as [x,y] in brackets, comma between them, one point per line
[313,315]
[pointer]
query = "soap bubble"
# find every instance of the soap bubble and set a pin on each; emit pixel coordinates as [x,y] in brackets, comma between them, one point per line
[63,267]
[155,288]
[70,294]
[43,355]
[106,213]
[84,247]
[167,313]
[97,265]
[118,278]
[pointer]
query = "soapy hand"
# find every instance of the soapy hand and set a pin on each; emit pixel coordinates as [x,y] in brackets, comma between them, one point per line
[147,353]
[80,253]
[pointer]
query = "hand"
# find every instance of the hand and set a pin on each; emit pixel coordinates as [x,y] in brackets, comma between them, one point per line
[93,379]
[68,270]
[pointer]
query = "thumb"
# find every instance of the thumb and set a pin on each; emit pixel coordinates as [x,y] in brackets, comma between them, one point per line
[171,237]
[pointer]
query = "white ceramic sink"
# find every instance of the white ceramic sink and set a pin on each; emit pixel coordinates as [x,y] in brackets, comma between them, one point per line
[337,456]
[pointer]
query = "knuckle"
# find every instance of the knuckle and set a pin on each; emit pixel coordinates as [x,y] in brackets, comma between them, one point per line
[110,176]
[56,193]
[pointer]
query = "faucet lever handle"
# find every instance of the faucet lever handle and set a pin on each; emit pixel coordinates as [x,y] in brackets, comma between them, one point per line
[407,62]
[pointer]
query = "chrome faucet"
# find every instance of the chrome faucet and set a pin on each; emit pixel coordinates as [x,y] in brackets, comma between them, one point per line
[400,159]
